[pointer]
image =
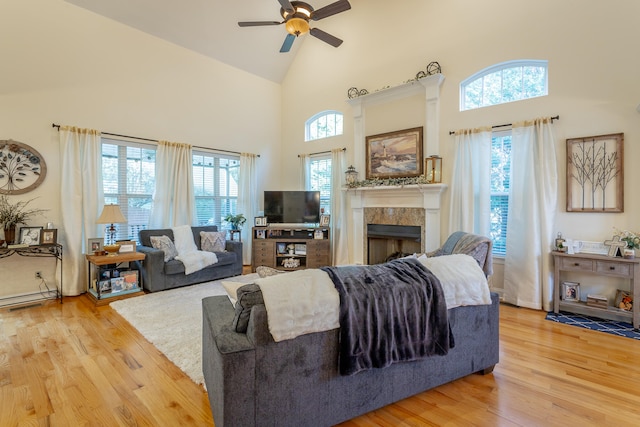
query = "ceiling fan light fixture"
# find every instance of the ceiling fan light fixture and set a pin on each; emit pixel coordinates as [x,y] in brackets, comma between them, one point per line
[297,26]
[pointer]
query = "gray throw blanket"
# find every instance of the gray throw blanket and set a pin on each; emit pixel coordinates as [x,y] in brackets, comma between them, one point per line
[389,313]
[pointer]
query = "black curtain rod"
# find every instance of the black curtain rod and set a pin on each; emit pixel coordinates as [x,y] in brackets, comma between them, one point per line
[155,140]
[323,152]
[510,124]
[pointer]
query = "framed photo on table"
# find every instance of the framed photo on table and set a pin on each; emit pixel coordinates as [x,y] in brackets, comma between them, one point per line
[95,244]
[325,220]
[261,221]
[394,154]
[30,235]
[571,291]
[49,237]
[126,246]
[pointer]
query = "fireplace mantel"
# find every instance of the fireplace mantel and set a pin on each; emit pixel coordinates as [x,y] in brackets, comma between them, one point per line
[427,196]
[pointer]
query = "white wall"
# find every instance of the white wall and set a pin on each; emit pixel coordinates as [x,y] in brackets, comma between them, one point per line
[593,77]
[65,65]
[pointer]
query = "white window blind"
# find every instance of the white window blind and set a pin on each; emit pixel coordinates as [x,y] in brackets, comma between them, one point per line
[128,174]
[500,188]
[320,180]
[215,179]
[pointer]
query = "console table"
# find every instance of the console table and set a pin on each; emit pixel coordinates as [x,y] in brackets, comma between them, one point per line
[54,251]
[603,266]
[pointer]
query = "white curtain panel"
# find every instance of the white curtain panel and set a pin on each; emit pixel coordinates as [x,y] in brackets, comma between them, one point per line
[248,202]
[305,178]
[81,198]
[533,201]
[338,223]
[471,182]
[174,199]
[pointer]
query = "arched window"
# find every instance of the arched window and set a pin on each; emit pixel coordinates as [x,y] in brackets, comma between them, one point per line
[323,125]
[505,82]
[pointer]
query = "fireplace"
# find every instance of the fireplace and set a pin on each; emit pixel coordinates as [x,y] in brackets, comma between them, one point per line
[387,241]
[410,205]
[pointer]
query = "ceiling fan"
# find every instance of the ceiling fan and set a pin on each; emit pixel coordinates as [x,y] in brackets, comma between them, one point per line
[296,16]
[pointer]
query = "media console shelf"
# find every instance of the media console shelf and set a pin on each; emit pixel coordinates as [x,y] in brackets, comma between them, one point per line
[603,266]
[290,248]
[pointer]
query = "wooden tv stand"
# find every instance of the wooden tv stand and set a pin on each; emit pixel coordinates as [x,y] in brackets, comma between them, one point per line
[290,248]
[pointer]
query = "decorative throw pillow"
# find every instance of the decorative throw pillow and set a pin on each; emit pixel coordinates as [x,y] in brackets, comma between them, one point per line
[165,244]
[264,271]
[248,296]
[213,241]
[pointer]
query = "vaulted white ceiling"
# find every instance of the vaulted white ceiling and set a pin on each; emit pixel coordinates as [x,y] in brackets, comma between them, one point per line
[210,28]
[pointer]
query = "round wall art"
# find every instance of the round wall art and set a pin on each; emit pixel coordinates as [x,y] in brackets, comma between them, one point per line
[22,168]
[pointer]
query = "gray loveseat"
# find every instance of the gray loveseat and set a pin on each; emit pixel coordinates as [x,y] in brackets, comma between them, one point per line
[158,275]
[254,381]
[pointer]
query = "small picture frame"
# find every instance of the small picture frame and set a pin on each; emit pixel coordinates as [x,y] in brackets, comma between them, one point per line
[281,248]
[49,236]
[95,245]
[127,246]
[30,236]
[318,235]
[261,221]
[261,234]
[571,291]
[325,220]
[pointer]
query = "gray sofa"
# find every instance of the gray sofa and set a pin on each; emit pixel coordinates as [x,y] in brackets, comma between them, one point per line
[158,275]
[254,381]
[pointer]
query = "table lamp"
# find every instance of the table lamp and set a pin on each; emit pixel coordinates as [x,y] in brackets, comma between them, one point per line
[111,214]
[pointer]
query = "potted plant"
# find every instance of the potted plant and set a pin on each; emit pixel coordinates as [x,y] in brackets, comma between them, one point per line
[12,214]
[235,220]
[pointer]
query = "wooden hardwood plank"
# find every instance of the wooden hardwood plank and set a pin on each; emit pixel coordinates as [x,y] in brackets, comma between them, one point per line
[77,364]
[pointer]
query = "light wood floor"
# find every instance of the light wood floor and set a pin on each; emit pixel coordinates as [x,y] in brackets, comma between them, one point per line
[75,364]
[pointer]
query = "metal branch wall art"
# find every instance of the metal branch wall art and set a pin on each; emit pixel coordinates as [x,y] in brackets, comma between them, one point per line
[595,176]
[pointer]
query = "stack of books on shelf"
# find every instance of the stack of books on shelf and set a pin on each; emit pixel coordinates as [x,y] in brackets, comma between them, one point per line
[598,301]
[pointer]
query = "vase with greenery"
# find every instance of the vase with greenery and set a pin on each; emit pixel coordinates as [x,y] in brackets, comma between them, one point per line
[235,220]
[13,214]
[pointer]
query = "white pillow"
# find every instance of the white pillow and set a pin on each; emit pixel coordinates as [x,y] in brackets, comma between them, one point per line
[213,241]
[462,279]
[232,290]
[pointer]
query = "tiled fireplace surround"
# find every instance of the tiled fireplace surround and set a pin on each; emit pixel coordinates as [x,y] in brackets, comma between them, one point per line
[417,205]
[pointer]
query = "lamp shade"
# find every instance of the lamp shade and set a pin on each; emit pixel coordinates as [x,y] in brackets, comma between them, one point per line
[111,214]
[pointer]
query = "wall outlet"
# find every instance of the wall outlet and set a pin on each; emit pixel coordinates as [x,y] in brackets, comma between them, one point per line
[38,275]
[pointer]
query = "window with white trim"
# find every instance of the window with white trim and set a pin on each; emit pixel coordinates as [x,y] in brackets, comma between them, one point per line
[320,180]
[505,82]
[129,179]
[128,175]
[215,178]
[323,125]
[500,187]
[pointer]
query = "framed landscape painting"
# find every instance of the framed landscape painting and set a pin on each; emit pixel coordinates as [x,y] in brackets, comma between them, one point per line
[394,154]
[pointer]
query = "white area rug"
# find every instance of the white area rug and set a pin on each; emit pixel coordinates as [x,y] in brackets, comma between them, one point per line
[172,321]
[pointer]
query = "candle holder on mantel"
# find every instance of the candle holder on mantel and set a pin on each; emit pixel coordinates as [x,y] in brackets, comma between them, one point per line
[433,169]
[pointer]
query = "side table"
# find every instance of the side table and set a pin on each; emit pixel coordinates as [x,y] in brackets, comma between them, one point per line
[99,262]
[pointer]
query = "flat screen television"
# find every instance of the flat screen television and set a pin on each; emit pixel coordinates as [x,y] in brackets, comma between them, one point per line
[292,207]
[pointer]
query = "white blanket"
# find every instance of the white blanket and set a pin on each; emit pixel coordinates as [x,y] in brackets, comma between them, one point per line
[300,302]
[462,279]
[306,301]
[188,253]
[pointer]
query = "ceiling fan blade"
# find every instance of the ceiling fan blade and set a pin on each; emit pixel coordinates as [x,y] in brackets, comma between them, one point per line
[331,9]
[288,42]
[325,37]
[258,23]
[287,6]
